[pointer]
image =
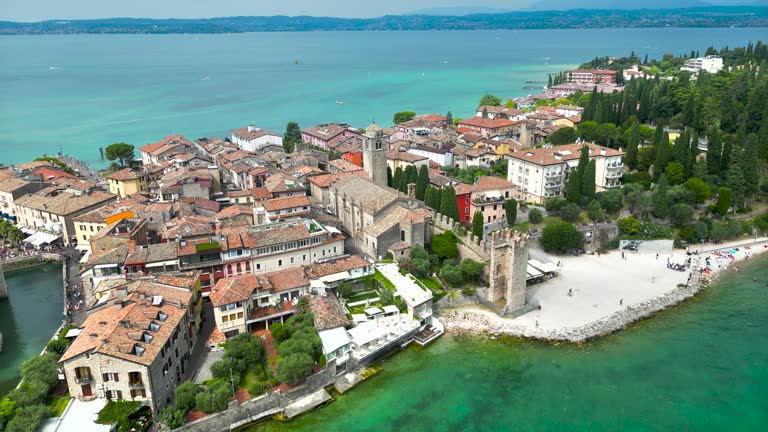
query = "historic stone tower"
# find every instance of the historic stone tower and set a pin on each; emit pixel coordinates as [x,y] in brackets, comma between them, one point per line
[375,154]
[508,270]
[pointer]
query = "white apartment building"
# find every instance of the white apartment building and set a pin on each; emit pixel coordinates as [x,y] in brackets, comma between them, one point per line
[712,64]
[252,138]
[542,173]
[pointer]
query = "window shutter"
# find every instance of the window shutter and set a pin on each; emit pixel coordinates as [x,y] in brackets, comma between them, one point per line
[104,377]
[119,395]
[116,375]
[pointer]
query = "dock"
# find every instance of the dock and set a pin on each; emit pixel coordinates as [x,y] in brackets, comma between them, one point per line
[307,403]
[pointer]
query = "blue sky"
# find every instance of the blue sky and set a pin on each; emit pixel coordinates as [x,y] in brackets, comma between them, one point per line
[36,10]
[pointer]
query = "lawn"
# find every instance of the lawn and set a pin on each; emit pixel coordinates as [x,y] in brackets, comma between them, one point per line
[384,281]
[432,283]
[58,404]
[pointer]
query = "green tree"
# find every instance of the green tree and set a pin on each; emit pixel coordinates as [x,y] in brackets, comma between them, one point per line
[662,155]
[734,179]
[485,112]
[573,188]
[429,197]
[564,135]
[422,182]
[449,119]
[675,173]
[185,395]
[554,204]
[660,199]
[173,417]
[477,224]
[570,213]
[437,198]
[535,216]
[119,151]
[444,245]
[7,410]
[390,179]
[292,137]
[397,179]
[724,200]
[279,332]
[561,237]
[471,270]
[293,368]
[628,226]
[633,143]
[403,116]
[699,188]
[588,182]
[510,210]
[750,166]
[595,211]
[681,215]
[448,205]
[27,419]
[452,275]
[714,152]
[490,100]
[611,200]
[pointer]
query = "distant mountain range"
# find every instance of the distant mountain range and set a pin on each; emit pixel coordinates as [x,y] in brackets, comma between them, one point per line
[562,5]
[712,16]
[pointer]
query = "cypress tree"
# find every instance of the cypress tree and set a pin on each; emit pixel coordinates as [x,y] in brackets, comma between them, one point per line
[727,156]
[762,137]
[632,145]
[422,182]
[588,182]
[429,197]
[583,161]
[661,198]
[714,152]
[693,152]
[680,149]
[734,179]
[750,166]
[477,224]
[689,111]
[389,176]
[662,155]
[397,179]
[409,176]
[573,188]
[449,119]
[448,204]
[659,134]
[437,199]
[510,210]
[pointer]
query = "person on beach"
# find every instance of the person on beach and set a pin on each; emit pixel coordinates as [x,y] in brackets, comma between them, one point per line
[621,302]
[570,292]
[653,279]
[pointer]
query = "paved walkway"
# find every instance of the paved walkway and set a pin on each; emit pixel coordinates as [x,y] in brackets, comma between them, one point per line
[200,349]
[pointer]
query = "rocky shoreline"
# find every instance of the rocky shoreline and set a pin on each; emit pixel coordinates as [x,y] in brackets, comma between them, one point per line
[457,322]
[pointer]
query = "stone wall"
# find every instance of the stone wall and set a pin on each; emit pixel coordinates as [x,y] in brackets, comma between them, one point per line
[263,406]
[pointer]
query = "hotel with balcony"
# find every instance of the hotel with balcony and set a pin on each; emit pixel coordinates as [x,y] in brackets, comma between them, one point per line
[487,196]
[542,173]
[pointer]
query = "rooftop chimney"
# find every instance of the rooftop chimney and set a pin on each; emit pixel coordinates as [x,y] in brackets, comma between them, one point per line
[411,190]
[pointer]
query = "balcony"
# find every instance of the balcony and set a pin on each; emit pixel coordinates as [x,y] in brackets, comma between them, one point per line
[614,175]
[262,313]
[137,385]
[612,185]
[83,379]
[615,165]
[553,185]
[553,175]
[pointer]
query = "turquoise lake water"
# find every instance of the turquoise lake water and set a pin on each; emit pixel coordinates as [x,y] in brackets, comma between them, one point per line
[700,366]
[85,91]
[28,317]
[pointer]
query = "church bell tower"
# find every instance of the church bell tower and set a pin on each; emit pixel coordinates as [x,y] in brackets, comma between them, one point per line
[375,154]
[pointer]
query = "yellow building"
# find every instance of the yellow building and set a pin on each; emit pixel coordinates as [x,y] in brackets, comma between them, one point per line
[129,181]
[89,224]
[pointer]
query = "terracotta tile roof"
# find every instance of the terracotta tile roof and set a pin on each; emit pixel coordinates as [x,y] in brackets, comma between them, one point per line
[326,180]
[12,184]
[561,154]
[398,216]
[50,173]
[277,204]
[326,131]
[261,193]
[32,165]
[153,253]
[202,203]
[472,137]
[327,312]
[132,174]
[234,289]
[487,123]
[336,266]
[64,203]
[570,108]
[187,226]
[118,329]
[235,210]
[187,280]
[279,183]
[288,279]
[271,236]
[491,182]
[246,133]
[235,238]
[344,165]
[405,156]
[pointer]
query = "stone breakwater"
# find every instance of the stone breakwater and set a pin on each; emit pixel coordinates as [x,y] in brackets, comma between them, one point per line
[458,322]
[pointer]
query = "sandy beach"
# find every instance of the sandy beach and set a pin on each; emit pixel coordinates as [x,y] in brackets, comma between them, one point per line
[608,292]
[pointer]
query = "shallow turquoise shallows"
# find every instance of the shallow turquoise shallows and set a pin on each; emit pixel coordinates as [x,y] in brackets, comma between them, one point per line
[79,92]
[698,367]
[28,317]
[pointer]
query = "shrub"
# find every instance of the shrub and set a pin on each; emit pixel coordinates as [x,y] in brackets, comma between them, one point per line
[257,388]
[554,204]
[471,270]
[595,212]
[173,417]
[681,214]
[214,398]
[28,418]
[469,292]
[117,412]
[611,200]
[628,226]
[535,216]
[57,346]
[185,395]
[570,213]
[274,382]
[452,275]
[561,237]
[444,245]
[244,351]
[279,332]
